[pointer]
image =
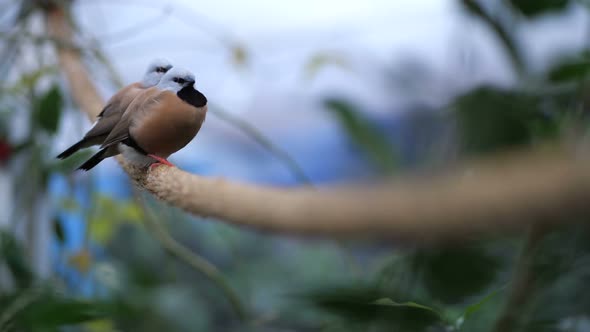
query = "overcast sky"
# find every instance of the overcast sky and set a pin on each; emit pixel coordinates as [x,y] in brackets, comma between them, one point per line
[280,38]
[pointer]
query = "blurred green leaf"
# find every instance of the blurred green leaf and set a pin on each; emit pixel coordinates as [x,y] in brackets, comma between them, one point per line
[476,307]
[109,214]
[491,119]
[102,325]
[58,231]
[531,8]
[451,275]
[561,280]
[479,304]
[364,134]
[389,302]
[15,260]
[51,311]
[50,108]
[356,303]
[574,70]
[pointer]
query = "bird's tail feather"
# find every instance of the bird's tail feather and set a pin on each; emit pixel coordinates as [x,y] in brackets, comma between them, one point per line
[94,160]
[72,149]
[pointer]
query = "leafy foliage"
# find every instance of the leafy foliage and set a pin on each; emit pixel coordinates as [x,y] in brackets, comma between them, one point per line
[491,119]
[531,8]
[366,305]
[364,134]
[571,70]
[12,255]
[121,279]
[50,108]
[51,311]
[451,275]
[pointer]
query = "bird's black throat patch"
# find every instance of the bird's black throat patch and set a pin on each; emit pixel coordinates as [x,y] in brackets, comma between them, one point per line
[192,96]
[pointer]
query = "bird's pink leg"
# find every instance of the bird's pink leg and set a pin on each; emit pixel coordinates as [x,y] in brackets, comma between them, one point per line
[160,161]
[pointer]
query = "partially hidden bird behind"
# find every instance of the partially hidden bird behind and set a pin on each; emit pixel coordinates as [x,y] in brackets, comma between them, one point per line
[160,121]
[116,106]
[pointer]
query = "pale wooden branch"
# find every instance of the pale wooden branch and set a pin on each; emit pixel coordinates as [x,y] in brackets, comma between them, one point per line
[506,193]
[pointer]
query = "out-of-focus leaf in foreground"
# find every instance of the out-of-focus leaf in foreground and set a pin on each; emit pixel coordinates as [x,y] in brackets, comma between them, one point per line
[370,306]
[49,109]
[364,134]
[531,8]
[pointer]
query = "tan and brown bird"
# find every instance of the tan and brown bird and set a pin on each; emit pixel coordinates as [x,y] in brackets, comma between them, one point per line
[160,121]
[116,106]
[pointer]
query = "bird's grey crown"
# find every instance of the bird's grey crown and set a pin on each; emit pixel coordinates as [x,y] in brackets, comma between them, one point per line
[176,79]
[156,69]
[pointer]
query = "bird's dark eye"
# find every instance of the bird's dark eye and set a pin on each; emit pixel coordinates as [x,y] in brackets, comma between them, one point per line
[160,69]
[179,80]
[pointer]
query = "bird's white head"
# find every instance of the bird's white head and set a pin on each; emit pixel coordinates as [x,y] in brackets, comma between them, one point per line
[156,69]
[176,79]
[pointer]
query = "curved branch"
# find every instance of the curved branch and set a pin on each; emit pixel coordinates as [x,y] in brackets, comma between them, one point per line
[200,264]
[505,193]
[522,283]
[253,133]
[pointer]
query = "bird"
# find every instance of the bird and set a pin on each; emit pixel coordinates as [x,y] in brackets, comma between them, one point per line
[116,106]
[160,121]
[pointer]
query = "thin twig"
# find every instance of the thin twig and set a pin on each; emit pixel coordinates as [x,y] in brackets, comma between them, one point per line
[184,254]
[522,283]
[265,142]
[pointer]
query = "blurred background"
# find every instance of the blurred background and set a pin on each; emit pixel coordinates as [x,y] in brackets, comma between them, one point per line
[307,92]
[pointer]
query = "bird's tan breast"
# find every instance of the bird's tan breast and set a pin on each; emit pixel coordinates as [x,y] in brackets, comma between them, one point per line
[167,125]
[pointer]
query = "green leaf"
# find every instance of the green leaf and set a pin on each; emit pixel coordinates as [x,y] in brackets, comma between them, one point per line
[50,312]
[364,134]
[570,71]
[451,275]
[389,302]
[356,303]
[477,306]
[492,119]
[470,310]
[531,8]
[50,108]
[15,260]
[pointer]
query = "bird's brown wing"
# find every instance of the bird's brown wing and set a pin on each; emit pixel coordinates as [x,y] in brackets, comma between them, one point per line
[111,114]
[137,107]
